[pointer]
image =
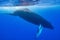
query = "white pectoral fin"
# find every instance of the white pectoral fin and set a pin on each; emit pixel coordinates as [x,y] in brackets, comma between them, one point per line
[39,31]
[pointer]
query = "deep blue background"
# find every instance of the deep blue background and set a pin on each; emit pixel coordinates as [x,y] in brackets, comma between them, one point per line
[15,28]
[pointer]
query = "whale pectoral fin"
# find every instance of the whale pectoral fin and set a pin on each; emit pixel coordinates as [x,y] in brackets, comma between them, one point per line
[39,31]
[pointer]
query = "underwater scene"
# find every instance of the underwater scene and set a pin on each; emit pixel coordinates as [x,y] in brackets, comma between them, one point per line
[30,21]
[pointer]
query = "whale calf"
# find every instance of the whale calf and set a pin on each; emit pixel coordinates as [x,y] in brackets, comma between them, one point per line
[34,19]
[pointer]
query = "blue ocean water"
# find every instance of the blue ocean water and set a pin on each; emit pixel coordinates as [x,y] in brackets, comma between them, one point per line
[15,28]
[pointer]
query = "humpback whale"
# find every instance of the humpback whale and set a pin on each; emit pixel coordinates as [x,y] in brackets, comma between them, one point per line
[34,19]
